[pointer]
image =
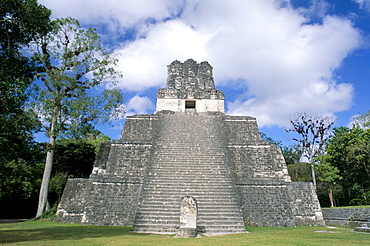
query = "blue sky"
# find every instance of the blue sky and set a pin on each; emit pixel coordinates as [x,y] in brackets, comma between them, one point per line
[271,58]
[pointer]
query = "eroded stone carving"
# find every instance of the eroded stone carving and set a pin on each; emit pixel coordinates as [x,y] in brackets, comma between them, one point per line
[188,217]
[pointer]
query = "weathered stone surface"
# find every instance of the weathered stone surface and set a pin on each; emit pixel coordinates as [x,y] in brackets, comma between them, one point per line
[190,86]
[190,148]
[188,212]
[186,232]
[73,201]
[347,217]
[188,217]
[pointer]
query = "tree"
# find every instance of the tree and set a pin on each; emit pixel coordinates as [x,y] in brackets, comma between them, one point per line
[21,21]
[291,154]
[329,174]
[348,150]
[313,133]
[70,94]
[300,171]
[362,120]
[20,182]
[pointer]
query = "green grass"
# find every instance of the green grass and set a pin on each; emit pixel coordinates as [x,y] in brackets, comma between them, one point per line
[51,233]
[359,206]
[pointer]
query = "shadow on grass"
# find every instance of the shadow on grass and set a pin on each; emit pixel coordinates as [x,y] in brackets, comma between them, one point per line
[61,232]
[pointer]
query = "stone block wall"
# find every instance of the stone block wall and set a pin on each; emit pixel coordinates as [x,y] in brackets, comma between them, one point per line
[346,217]
[267,195]
[258,163]
[72,204]
[139,127]
[266,205]
[126,162]
[241,129]
[111,203]
[111,195]
[305,204]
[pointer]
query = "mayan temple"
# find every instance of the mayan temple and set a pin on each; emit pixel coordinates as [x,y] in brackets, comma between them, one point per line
[190,147]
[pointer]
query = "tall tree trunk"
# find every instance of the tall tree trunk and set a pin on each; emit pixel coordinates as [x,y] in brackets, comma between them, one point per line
[313,175]
[43,197]
[331,198]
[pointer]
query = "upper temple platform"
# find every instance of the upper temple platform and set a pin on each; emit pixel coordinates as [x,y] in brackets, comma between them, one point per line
[190,86]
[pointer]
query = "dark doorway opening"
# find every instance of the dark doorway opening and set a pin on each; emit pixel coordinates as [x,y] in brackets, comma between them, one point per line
[189,104]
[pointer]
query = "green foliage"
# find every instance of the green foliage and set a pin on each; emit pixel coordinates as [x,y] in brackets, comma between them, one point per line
[76,80]
[326,171]
[264,137]
[300,171]
[348,151]
[313,133]
[362,120]
[75,88]
[20,182]
[21,21]
[73,159]
[291,154]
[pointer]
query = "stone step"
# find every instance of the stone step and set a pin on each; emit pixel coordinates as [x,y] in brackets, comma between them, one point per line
[200,198]
[215,189]
[198,182]
[176,213]
[205,209]
[173,228]
[164,168]
[173,223]
[189,159]
[189,171]
[196,161]
[156,218]
[199,150]
[201,204]
[192,158]
[204,181]
[362,229]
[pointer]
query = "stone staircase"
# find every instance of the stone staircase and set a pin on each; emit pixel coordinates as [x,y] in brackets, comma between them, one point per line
[364,226]
[190,159]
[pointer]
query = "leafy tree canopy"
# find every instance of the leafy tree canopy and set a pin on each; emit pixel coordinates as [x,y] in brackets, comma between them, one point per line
[75,88]
[349,151]
[21,21]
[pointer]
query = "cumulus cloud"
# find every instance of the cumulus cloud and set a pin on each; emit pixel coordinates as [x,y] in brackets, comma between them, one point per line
[139,105]
[127,13]
[282,62]
[144,61]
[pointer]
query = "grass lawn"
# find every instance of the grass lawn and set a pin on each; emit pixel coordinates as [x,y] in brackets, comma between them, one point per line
[52,233]
[360,206]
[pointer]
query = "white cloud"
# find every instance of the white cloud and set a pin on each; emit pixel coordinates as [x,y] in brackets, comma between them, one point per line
[139,105]
[144,61]
[363,4]
[124,12]
[285,64]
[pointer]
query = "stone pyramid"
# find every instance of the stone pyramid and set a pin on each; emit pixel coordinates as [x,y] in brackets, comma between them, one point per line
[190,147]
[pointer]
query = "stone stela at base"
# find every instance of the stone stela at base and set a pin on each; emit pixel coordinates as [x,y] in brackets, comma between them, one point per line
[188,217]
[190,146]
